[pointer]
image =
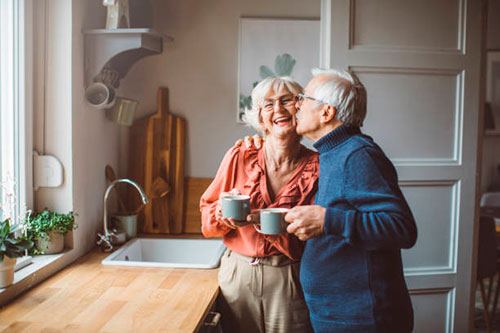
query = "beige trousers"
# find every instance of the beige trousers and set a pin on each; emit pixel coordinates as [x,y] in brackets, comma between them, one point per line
[261,295]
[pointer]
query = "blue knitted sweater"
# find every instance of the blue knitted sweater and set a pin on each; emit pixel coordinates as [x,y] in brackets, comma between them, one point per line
[352,276]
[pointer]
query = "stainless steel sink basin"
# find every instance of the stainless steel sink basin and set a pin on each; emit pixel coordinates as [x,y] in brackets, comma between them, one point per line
[168,252]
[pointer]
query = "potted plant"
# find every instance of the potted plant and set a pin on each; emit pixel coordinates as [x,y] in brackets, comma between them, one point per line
[11,248]
[48,228]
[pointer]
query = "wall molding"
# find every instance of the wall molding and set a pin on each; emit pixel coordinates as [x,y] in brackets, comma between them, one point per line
[458,50]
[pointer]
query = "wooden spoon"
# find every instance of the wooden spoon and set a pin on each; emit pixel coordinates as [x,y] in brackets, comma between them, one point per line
[138,209]
[111,177]
[159,188]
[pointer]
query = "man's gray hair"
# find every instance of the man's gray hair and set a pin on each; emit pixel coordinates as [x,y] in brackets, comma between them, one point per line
[344,91]
[277,84]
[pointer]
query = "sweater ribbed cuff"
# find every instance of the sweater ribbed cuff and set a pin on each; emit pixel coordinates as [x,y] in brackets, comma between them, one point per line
[334,221]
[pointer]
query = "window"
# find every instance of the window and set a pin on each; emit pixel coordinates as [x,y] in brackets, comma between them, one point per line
[15,109]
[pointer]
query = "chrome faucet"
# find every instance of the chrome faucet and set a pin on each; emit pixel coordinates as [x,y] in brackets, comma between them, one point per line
[106,240]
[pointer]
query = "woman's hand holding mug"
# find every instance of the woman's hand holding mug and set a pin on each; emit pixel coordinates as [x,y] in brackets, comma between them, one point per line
[232,204]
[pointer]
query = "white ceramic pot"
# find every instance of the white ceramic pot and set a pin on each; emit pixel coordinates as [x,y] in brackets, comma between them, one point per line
[51,245]
[7,271]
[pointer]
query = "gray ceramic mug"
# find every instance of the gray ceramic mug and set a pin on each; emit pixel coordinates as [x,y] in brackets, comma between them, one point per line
[236,207]
[272,221]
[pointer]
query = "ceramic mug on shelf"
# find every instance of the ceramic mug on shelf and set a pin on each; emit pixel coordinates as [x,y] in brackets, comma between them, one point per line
[123,111]
[100,96]
[272,221]
[236,207]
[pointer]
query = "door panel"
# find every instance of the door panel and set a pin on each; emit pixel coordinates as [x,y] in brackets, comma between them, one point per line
[434,207]
[428,24]
[434,309]
[425,100]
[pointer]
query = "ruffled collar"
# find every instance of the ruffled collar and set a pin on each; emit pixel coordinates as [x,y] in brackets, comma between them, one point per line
[301,182]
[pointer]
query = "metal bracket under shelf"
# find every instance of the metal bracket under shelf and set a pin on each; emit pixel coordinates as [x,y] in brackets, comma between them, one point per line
[111,52]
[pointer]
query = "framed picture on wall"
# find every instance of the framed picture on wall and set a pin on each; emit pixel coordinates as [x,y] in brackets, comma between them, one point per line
[275,47]
[493,85]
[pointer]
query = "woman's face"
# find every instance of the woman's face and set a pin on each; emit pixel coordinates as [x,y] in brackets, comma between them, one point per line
[277,113]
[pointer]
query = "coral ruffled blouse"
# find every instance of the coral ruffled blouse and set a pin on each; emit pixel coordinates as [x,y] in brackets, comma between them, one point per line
[245,169]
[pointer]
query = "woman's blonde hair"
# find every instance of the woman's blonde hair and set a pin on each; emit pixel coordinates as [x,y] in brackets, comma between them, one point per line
[278,83]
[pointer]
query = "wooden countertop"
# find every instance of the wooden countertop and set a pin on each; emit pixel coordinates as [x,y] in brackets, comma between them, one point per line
[88,297]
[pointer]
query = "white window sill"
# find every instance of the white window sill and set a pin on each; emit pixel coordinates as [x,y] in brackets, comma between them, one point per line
[41,267]
[23,262]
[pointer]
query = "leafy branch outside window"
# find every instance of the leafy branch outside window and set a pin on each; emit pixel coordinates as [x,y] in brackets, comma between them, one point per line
[12,244]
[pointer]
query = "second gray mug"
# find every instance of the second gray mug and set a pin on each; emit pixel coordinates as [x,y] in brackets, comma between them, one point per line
[272,221]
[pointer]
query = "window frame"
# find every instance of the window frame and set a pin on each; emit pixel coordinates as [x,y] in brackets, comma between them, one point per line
[16,99]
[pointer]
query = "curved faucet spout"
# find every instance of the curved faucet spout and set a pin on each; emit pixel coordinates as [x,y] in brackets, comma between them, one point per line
[145,200]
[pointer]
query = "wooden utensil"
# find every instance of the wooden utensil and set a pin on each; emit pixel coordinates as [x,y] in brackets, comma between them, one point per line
[139,148]
[164,205]
[159,188]
[111,177]
[138,209]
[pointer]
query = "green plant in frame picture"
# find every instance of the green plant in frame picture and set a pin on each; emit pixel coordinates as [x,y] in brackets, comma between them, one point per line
[283,66]
[275,47]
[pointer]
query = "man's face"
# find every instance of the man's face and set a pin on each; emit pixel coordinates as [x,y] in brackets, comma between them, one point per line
[308,112]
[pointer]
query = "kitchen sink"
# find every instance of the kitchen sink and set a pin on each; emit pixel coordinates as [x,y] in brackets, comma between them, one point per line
[168,252]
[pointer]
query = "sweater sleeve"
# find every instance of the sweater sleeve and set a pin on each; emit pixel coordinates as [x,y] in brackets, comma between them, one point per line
[379,216]
[223,182]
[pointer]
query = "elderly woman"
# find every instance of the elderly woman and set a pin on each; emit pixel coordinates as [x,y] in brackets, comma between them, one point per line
[259,274]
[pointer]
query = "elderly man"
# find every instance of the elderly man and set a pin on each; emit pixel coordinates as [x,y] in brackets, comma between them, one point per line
[351,269]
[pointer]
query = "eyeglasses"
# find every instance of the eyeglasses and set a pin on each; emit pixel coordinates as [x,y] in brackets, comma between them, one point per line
[285,101]
[301,97]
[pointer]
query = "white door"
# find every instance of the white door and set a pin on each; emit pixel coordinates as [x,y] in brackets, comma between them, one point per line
[420,63]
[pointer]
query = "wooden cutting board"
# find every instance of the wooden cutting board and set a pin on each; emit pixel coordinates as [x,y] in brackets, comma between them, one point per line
[156,156]
[194,187]
[176,176]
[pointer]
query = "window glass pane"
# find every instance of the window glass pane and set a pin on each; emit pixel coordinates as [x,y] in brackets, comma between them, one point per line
[1,112]
[9,107]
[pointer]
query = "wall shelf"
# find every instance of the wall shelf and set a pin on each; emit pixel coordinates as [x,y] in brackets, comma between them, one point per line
[492,132]
[116,50]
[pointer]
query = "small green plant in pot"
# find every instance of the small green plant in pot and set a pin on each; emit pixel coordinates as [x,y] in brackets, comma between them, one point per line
[11,248]
[48,228]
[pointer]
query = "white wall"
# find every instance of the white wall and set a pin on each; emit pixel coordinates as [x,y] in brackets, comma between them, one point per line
[95,139]
[79,136]
[200,69]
